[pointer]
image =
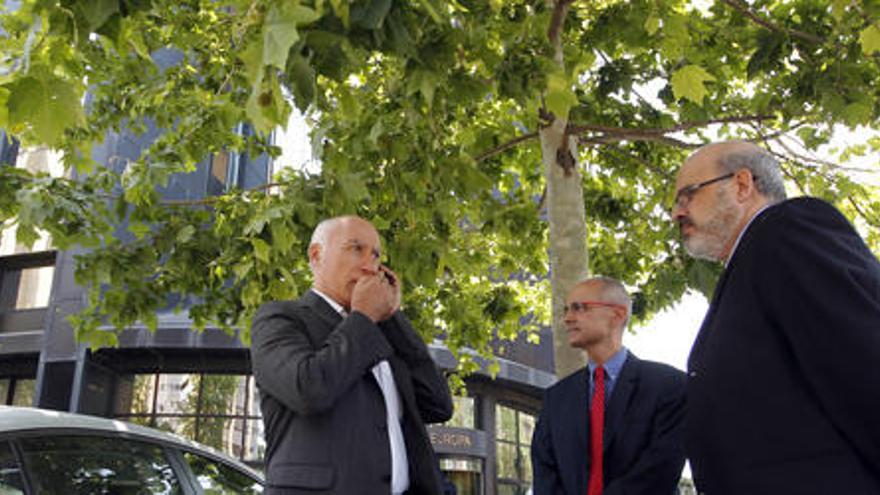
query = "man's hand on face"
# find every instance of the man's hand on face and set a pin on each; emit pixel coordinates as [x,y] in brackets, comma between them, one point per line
[394,282]
[375,296]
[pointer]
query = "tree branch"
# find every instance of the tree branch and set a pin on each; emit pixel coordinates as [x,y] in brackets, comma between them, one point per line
[504,147]
[616,138]
[743,8]
[556,22]
[582,128]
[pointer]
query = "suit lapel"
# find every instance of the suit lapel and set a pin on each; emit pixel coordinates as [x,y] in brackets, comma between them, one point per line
[626,385]
[326,314]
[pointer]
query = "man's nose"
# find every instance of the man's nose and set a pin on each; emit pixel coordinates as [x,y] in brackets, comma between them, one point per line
[370,265]
[677,212]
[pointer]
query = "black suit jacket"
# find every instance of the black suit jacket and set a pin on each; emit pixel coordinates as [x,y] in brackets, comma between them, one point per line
[784,380]
[323,410]
[643,444]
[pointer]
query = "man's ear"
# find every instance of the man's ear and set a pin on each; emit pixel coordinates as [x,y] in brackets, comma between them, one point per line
[745,184]
[620,316]
[314,254]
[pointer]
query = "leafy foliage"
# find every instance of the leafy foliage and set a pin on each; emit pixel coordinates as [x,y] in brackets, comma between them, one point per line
[425,116]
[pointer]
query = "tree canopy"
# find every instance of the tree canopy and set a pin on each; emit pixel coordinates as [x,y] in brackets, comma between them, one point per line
[428,117]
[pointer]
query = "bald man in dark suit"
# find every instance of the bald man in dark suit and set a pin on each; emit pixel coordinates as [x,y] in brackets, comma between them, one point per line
[346,384]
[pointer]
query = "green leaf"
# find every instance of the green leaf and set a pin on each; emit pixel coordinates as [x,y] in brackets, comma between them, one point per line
[4,111]
[857,113]
[370,15]
[242,269]
[870,39]
[185,234]
[425,82]
[560,98]
[689,82]
[252,58]
[838,8]
[652,24]
[340,8]
[42,106]
[282,236]
[96,12]
[675,36]
[261,249]
[139,229]
[353,187]
[433,10]
[279,34]
[303,76]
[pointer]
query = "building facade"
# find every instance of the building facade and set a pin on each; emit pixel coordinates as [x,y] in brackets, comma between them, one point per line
[198,384]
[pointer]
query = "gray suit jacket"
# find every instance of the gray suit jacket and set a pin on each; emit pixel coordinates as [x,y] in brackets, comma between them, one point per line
[323,411]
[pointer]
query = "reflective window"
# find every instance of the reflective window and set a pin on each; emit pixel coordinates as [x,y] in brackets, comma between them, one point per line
[88,465]
[513,438]
[10,472]
[17,392]
[463,415]
[218,410]
[219,479]
[34,287]
[465,474]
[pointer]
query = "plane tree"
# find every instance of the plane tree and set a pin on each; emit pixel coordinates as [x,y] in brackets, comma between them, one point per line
[503,148]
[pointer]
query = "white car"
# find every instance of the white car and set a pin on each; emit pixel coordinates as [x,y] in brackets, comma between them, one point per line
[44,452]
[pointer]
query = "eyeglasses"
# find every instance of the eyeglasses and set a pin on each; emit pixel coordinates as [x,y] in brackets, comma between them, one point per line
[584,306]
[684,195]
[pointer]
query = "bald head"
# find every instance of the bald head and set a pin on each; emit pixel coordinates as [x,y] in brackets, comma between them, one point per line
[342,250]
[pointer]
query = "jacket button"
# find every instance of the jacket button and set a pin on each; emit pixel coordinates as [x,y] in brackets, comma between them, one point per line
[382,427]
[386,478]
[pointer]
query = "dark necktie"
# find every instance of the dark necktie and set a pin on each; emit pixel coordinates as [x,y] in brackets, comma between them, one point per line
[597,427]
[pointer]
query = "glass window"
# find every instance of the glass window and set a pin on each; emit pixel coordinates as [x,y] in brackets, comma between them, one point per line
[90,465]
[513,439]
[219,479]
[218,410]
[23,393]
[10,472]
[464,473]
[463,415]
[34,287]
[17,392]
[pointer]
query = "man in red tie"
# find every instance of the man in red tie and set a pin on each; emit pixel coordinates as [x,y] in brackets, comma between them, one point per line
[615,426]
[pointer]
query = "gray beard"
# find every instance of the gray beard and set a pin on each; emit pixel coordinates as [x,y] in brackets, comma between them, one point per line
[708,240]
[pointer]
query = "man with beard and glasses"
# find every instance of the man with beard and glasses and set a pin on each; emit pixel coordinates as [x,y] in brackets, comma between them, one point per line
[783,384]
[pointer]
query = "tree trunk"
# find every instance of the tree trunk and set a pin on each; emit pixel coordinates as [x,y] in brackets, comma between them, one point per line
[568,237]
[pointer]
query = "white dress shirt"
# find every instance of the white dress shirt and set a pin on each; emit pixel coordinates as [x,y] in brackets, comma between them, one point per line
[394,413]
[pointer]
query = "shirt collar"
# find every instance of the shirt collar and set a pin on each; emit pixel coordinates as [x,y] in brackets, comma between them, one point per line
[743,231]
[333,304]
[613,365]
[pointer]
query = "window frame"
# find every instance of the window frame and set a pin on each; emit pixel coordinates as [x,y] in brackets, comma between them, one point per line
[11,267]
[249,414]
[520,482]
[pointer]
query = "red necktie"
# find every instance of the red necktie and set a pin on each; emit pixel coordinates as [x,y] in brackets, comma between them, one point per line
[597,427]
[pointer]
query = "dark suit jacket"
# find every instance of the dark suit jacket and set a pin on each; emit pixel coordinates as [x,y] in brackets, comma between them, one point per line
[784,380]
[643,445]
[323,410]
